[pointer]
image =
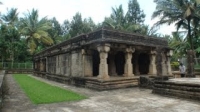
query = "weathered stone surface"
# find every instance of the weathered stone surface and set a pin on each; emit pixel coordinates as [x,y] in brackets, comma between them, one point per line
[87,63]
[179,87]
[76,64]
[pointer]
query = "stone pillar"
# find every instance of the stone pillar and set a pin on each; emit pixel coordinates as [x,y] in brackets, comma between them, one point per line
[169,70]
[152,66]
[87,63]
[103,66]
[128,68]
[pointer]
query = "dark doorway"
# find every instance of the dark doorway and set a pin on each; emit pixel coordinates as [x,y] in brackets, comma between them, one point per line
[96,62]
[120,62]
[143,63]
[44,65]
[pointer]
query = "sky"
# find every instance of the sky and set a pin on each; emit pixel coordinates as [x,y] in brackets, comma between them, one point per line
[66,9]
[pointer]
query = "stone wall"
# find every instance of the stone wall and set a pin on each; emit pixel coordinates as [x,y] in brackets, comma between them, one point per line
[2,87]
[76,64]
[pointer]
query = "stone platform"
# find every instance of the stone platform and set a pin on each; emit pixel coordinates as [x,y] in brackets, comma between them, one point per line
[179,87]
[111,83]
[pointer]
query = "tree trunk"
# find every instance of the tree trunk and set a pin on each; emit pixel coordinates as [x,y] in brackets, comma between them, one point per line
[190,53]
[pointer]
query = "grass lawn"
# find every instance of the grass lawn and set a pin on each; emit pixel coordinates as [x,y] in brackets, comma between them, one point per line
[40,92]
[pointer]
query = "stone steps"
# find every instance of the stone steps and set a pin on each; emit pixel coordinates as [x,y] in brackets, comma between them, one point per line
[178,89]
[111,84]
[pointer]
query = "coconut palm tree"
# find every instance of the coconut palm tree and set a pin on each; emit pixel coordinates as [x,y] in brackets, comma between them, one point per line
[35,30]
[11,17]
[182,13]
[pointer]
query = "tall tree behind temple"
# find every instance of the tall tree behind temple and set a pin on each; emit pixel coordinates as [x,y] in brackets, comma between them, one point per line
[55,32]
[135,15]
[126,21]
[79,26]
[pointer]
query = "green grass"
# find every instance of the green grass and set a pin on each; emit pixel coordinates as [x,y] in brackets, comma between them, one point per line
[40,92]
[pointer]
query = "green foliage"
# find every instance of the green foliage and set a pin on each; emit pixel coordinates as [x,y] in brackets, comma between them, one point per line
[55,32]
[130,21]
[175,65]
[79,26]
[40,92]
[10,65]
[135,15]
[184,13]
[35,30]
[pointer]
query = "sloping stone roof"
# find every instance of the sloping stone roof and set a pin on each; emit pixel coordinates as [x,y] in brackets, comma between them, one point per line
[107,36]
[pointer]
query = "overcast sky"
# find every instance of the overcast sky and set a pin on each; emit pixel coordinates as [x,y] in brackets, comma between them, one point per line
[66,9]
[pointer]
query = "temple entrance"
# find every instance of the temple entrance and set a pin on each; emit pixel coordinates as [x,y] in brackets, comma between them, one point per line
[143,62]
[120,62]
[96,62]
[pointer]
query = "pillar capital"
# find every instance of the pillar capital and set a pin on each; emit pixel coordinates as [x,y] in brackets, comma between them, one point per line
[153,52]
[85,52]
[170,53]
[103,48]
[130,50]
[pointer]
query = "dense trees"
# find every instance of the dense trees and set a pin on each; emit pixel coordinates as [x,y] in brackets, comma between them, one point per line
[29,34]
[21,37]
[79,26]
[130,21]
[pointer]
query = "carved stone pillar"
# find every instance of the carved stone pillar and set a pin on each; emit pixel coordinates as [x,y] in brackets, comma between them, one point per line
[103,66]
[169,70]
[87,63]
[152,66]
[128,68]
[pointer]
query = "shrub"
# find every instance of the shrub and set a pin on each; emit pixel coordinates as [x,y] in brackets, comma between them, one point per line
[175,65]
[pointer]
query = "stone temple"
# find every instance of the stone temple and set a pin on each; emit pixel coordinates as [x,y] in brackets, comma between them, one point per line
[104,59]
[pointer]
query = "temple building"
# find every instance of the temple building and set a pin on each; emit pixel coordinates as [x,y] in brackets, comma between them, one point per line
[104,59]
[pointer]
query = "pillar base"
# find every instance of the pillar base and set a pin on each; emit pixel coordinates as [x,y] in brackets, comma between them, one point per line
[128,75]
[152,74]
[103,76]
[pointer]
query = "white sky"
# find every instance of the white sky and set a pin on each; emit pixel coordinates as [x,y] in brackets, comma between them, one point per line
[66,9]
